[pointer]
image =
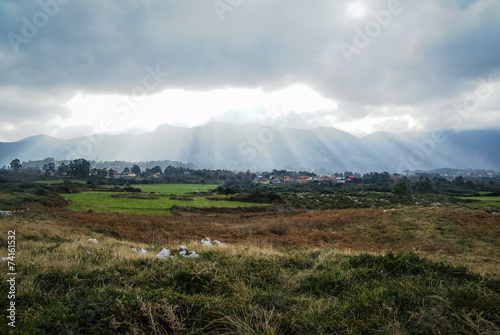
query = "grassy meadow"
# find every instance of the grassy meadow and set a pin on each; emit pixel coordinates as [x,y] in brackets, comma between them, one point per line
[485,201]
[154,199]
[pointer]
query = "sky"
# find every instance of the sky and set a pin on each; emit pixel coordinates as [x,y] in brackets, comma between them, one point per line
[69,68]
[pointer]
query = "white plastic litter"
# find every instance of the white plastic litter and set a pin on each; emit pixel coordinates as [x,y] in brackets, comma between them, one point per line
[164,253]
[142,251]
[93,240]
[206,242]
[182,252]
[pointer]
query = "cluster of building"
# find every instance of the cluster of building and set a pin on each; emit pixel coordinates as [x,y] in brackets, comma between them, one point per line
[117,174]
[301,179]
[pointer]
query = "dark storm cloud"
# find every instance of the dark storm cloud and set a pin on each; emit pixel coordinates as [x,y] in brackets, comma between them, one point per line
[429,52]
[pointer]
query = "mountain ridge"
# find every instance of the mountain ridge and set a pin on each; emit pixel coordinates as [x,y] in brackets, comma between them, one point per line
[253,146]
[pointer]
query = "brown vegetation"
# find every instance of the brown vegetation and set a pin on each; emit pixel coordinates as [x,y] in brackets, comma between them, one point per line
[452,234]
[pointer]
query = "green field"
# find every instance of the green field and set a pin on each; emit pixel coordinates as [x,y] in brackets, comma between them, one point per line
[485,201]
[160,203]
[175,188]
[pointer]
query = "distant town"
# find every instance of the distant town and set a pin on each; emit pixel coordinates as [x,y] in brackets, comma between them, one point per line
[173,171]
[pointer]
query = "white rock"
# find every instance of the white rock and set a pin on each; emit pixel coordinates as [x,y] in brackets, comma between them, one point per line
[164,253]
[142,251]
[5,213]
[93,240]
[206,242]
[193,254]
[219,243]
[182,252]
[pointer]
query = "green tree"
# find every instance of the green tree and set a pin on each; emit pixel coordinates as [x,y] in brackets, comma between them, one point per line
[79,168]
[102,173]
[16,164]
[424,185]
[156,169]
[136,169]
[50,167]
[459,181]
[63,169]
[402,191]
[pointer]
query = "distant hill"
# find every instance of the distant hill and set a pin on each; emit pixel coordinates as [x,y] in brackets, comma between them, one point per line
[252,146]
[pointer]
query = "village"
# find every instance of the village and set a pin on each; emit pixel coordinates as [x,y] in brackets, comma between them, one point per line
[300,179]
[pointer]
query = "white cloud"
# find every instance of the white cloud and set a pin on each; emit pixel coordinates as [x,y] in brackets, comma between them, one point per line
[190,108]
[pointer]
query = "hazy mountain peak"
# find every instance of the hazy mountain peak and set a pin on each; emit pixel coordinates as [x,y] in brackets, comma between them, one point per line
[254,146]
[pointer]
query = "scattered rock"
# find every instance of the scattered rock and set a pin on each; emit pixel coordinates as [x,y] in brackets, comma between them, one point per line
[193,254]
[164,253]
[93,240]
[206,242]
[5,213]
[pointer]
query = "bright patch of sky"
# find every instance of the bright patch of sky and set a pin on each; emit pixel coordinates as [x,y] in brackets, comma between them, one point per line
[120,113]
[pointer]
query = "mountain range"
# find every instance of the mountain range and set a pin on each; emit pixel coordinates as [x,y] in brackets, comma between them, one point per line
[257,147]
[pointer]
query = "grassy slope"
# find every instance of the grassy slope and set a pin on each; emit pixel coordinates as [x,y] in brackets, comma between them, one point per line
[297,274]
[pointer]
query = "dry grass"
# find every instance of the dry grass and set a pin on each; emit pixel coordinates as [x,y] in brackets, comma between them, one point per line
[458,236]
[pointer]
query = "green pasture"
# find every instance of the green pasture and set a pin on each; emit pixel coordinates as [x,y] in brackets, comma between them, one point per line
[175,188]
[485,201]
[104,202]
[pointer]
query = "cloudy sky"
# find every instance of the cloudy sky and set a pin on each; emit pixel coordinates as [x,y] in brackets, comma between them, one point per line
[71,67]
